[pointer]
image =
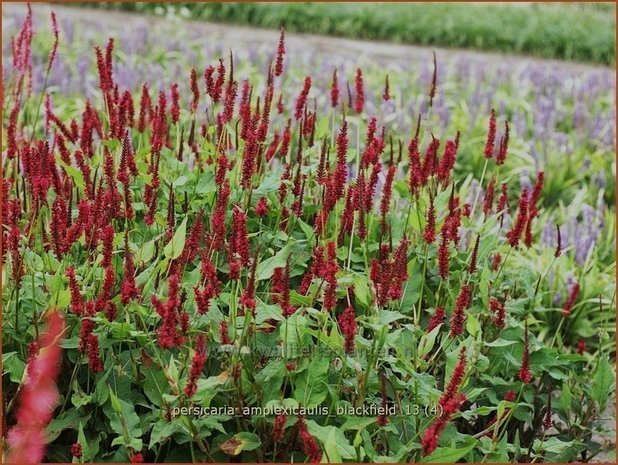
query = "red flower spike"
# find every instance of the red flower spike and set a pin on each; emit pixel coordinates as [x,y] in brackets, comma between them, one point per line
[223,333]
[474,256]
[280,53]
[261,209]
[341,170]
[77,303]
[230,98]
[488,199]
[451,402]
[547,418]
[94,360]
[456,379]
[514,235]
[217,220]
[241,245]
[371,188]
[197,365]
[461,304]
[59,222]
[217,88]
[209,80]
[434,79]
[167,333]
[334,90]
[495,262]
[430,227]
[107,239]
[387,192]
[399,270]
[104,83]
[573,294]
[195,91]
[415,167]
[499,312]
[145,110]
[436,319]
[310,445]
[359,102]
[347,323]
[504,145]
[278,427]
[491,136]
[301,101]
[76,450]
[54,50]
[430,163]
[192,244]
[386,95]
[443,257]
[524,372]
[503,201]
[128,288]
[11,132]
[175,108]
[558,251]
[38,397]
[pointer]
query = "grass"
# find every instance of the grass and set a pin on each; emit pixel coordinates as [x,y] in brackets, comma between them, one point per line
[579,32]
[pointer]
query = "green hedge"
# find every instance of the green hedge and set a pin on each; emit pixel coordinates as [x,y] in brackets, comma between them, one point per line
[580,32]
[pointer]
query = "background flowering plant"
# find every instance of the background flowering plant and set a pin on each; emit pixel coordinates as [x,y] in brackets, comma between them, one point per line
[237,233]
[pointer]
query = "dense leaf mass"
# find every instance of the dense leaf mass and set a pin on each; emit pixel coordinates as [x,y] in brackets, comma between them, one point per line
[259,264]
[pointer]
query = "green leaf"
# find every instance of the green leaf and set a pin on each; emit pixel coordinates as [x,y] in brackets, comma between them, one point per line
[125,423]
[335,443]
[298,299]
[566,399]
[311,388]
[207,388]
[161,431]
[472,325]
[146,253]
[500,343]
[427,342]
[176,245]
[14,365]
[552,444]
[362,289]
[69,419]
[81,438]
[265,312]
[180,181]
[357,423]
[388,316]
[602,382]
[248,441]
[240,442]
[80,398]
[76,174]
[448,454]
[266,268]
[115,401]
[155,383]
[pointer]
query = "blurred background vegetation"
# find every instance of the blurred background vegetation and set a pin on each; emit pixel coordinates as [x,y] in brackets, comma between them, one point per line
[568,31]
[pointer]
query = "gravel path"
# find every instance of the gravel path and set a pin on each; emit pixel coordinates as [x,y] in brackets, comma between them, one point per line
[233,36]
